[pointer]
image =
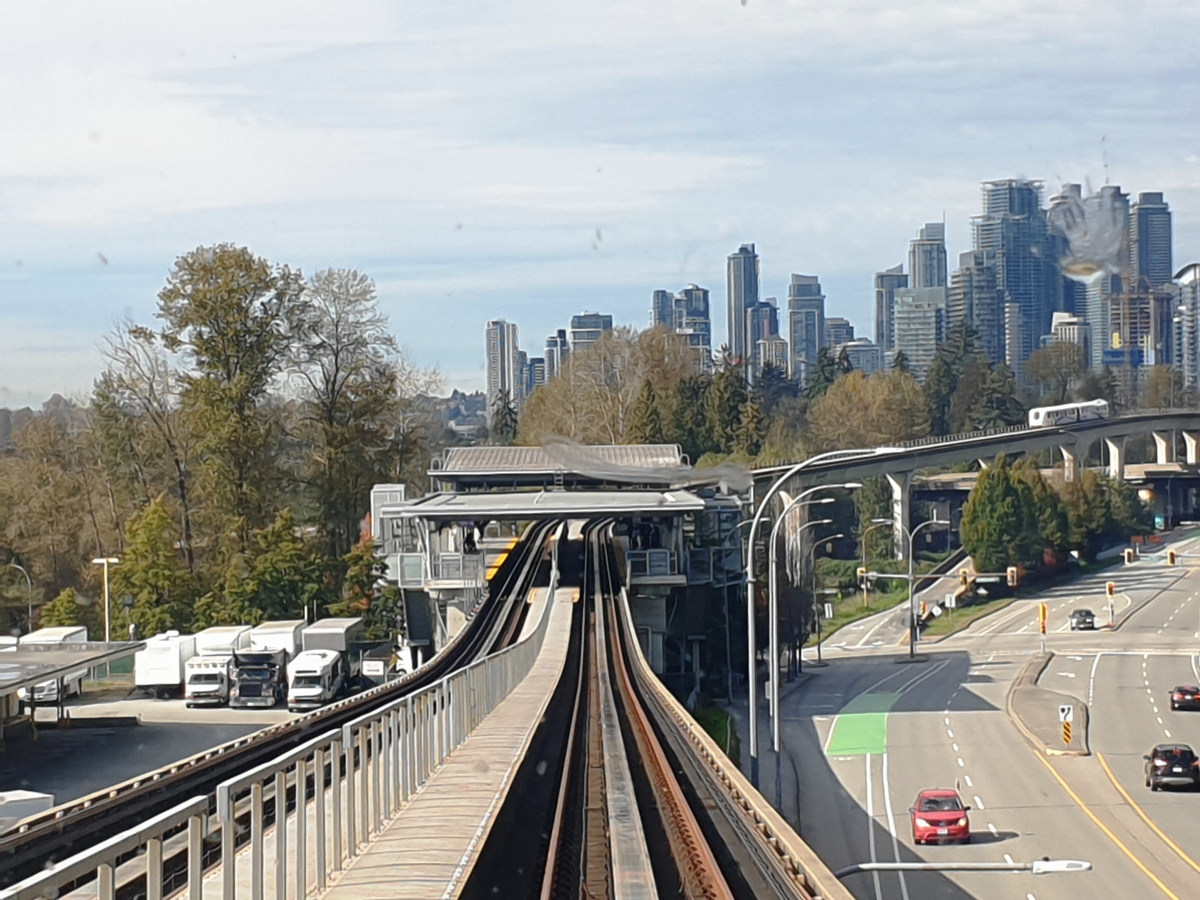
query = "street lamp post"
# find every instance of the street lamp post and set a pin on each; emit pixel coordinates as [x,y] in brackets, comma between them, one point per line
[912,610]
[812,570]
[728,635]
[106,561]
[28,587]
[751,637]
[875,523]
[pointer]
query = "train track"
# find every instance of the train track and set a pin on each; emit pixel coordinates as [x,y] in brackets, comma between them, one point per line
[83,823]
[613,801]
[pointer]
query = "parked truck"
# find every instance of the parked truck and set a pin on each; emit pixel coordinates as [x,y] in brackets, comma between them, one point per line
[327,666]
[259,678]
[209,677]
[161,668]
[47,691]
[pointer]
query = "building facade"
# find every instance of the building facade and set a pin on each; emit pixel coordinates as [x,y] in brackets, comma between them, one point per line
[586,329]
[863,355]
[1150,241]
[741,285]
[972,297]
[920,325]
[503,364]
[838,331]
[887,283]
[927,257]
[557,351]
[806,324]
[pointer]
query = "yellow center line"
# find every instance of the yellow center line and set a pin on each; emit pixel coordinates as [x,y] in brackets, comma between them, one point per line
[1116,840]
[1145,818]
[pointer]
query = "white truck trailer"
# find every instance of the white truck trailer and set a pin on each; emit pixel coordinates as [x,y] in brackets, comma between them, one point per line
[160,669]
[47,691]
[208,679]
[282,635]
[18,805]
[223,639]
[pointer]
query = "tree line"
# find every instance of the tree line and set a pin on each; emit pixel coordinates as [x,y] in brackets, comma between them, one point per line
[225,456]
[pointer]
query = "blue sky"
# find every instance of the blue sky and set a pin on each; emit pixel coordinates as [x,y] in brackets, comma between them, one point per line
[465,154]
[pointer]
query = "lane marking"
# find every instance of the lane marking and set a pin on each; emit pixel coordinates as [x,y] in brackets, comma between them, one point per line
[871,828]
[967,779]
[887,804]
[1116,840]
[992,829]
[961,764]
[1145,818]
[979,803]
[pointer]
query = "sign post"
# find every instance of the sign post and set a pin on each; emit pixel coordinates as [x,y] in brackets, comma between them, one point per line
[1066,715]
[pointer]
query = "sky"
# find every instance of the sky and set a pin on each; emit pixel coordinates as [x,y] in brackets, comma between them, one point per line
[532,159]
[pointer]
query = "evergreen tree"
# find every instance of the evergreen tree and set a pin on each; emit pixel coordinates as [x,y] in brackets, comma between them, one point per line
[844,365]
[504,420]
[645,419]
[821,375]
[1000,525]
[1053,521]
[1101,385]
[944,374]
[748,438]
[690,420]
[900,362]
[772,386]
[723,408]
[363,591]
[153,573]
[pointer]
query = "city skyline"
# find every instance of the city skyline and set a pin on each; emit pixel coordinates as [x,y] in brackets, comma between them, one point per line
[489,162]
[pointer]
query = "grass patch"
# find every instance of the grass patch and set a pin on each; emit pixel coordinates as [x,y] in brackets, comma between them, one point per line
[950,622]
[851,608]
[719,725]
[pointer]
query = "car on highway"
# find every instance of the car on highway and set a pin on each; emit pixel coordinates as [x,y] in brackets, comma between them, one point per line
[939,817]
[1082,620]
[1172,765]
[1185,696]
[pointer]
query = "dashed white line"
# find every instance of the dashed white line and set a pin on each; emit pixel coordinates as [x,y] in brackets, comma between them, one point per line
[961,764]
[949,733]
[1008,859]
[992,829]
[955,748]
[967,779]
[979,803]
[887,802]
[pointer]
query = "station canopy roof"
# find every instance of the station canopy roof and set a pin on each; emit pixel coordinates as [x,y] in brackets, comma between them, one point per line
[550,505]
[560,463]
[32,664]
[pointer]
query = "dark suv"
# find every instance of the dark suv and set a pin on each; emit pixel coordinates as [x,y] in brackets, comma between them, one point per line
[1082,620]
[1172,765]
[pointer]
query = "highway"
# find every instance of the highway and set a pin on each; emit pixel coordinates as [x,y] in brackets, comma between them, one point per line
[864,734]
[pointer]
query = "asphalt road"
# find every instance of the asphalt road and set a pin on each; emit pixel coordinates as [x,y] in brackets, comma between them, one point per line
[864,734]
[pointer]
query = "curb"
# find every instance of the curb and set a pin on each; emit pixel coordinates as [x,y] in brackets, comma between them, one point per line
[1028,677]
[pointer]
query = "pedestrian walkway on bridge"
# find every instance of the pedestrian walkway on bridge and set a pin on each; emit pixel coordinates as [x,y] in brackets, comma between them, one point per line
[429,848]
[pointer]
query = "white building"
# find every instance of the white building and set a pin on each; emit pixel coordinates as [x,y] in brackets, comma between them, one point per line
[920,325]
[865,355]
[1066,328]
[503,364]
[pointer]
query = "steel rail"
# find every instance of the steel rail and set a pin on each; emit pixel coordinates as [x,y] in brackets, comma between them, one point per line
[94,818]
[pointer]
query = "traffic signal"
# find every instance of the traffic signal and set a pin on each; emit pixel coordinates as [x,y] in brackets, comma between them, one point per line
[962,577]
[1128,556]
[1043,616]
[862,576]
[924,609]
[1012,576]
[1170,557]
[1110,588]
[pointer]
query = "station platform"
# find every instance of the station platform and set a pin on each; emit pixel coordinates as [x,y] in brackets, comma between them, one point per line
[430,847]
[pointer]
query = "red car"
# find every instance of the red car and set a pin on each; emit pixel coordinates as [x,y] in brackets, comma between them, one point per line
[938,816]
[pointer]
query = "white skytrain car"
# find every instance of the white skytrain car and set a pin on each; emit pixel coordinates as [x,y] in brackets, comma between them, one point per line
[1050,416]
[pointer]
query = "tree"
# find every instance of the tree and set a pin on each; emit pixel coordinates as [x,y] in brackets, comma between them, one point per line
[844,365]
[1100,385]
[646,418]
[153,574]
[233,315]
[504,420]
[363,591]
[1052,518]
[821,375]
[346,362]
[1160,387]
[69,609]
[773,386]
[723,404]
[1056,368]
[874,501]
[986,397]
[689,421]
[900,362]
[1000,525]
[861,411]
[946,371]
[751,429]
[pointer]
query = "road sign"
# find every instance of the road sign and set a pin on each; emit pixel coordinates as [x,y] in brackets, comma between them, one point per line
[1066,713]
[951,601]
[937,611]
[1066,732]
[828,610]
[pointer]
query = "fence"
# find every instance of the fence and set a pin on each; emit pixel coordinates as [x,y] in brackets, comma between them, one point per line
[651,563]
[348,782]
[185,823]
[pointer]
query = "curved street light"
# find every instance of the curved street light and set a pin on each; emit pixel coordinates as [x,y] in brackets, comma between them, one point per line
[912,611]
[28,586]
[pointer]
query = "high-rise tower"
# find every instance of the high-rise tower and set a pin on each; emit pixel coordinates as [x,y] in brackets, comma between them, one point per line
[927,257]
[806,324]
[503,364]
[1150,241]
[886,284]
[741,284]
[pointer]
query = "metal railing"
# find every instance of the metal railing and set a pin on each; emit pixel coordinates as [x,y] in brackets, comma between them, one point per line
[414,570]
[142,843]
[349,783]
[652,563]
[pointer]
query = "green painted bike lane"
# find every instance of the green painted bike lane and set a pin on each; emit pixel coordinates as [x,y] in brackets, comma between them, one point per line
[861,726]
